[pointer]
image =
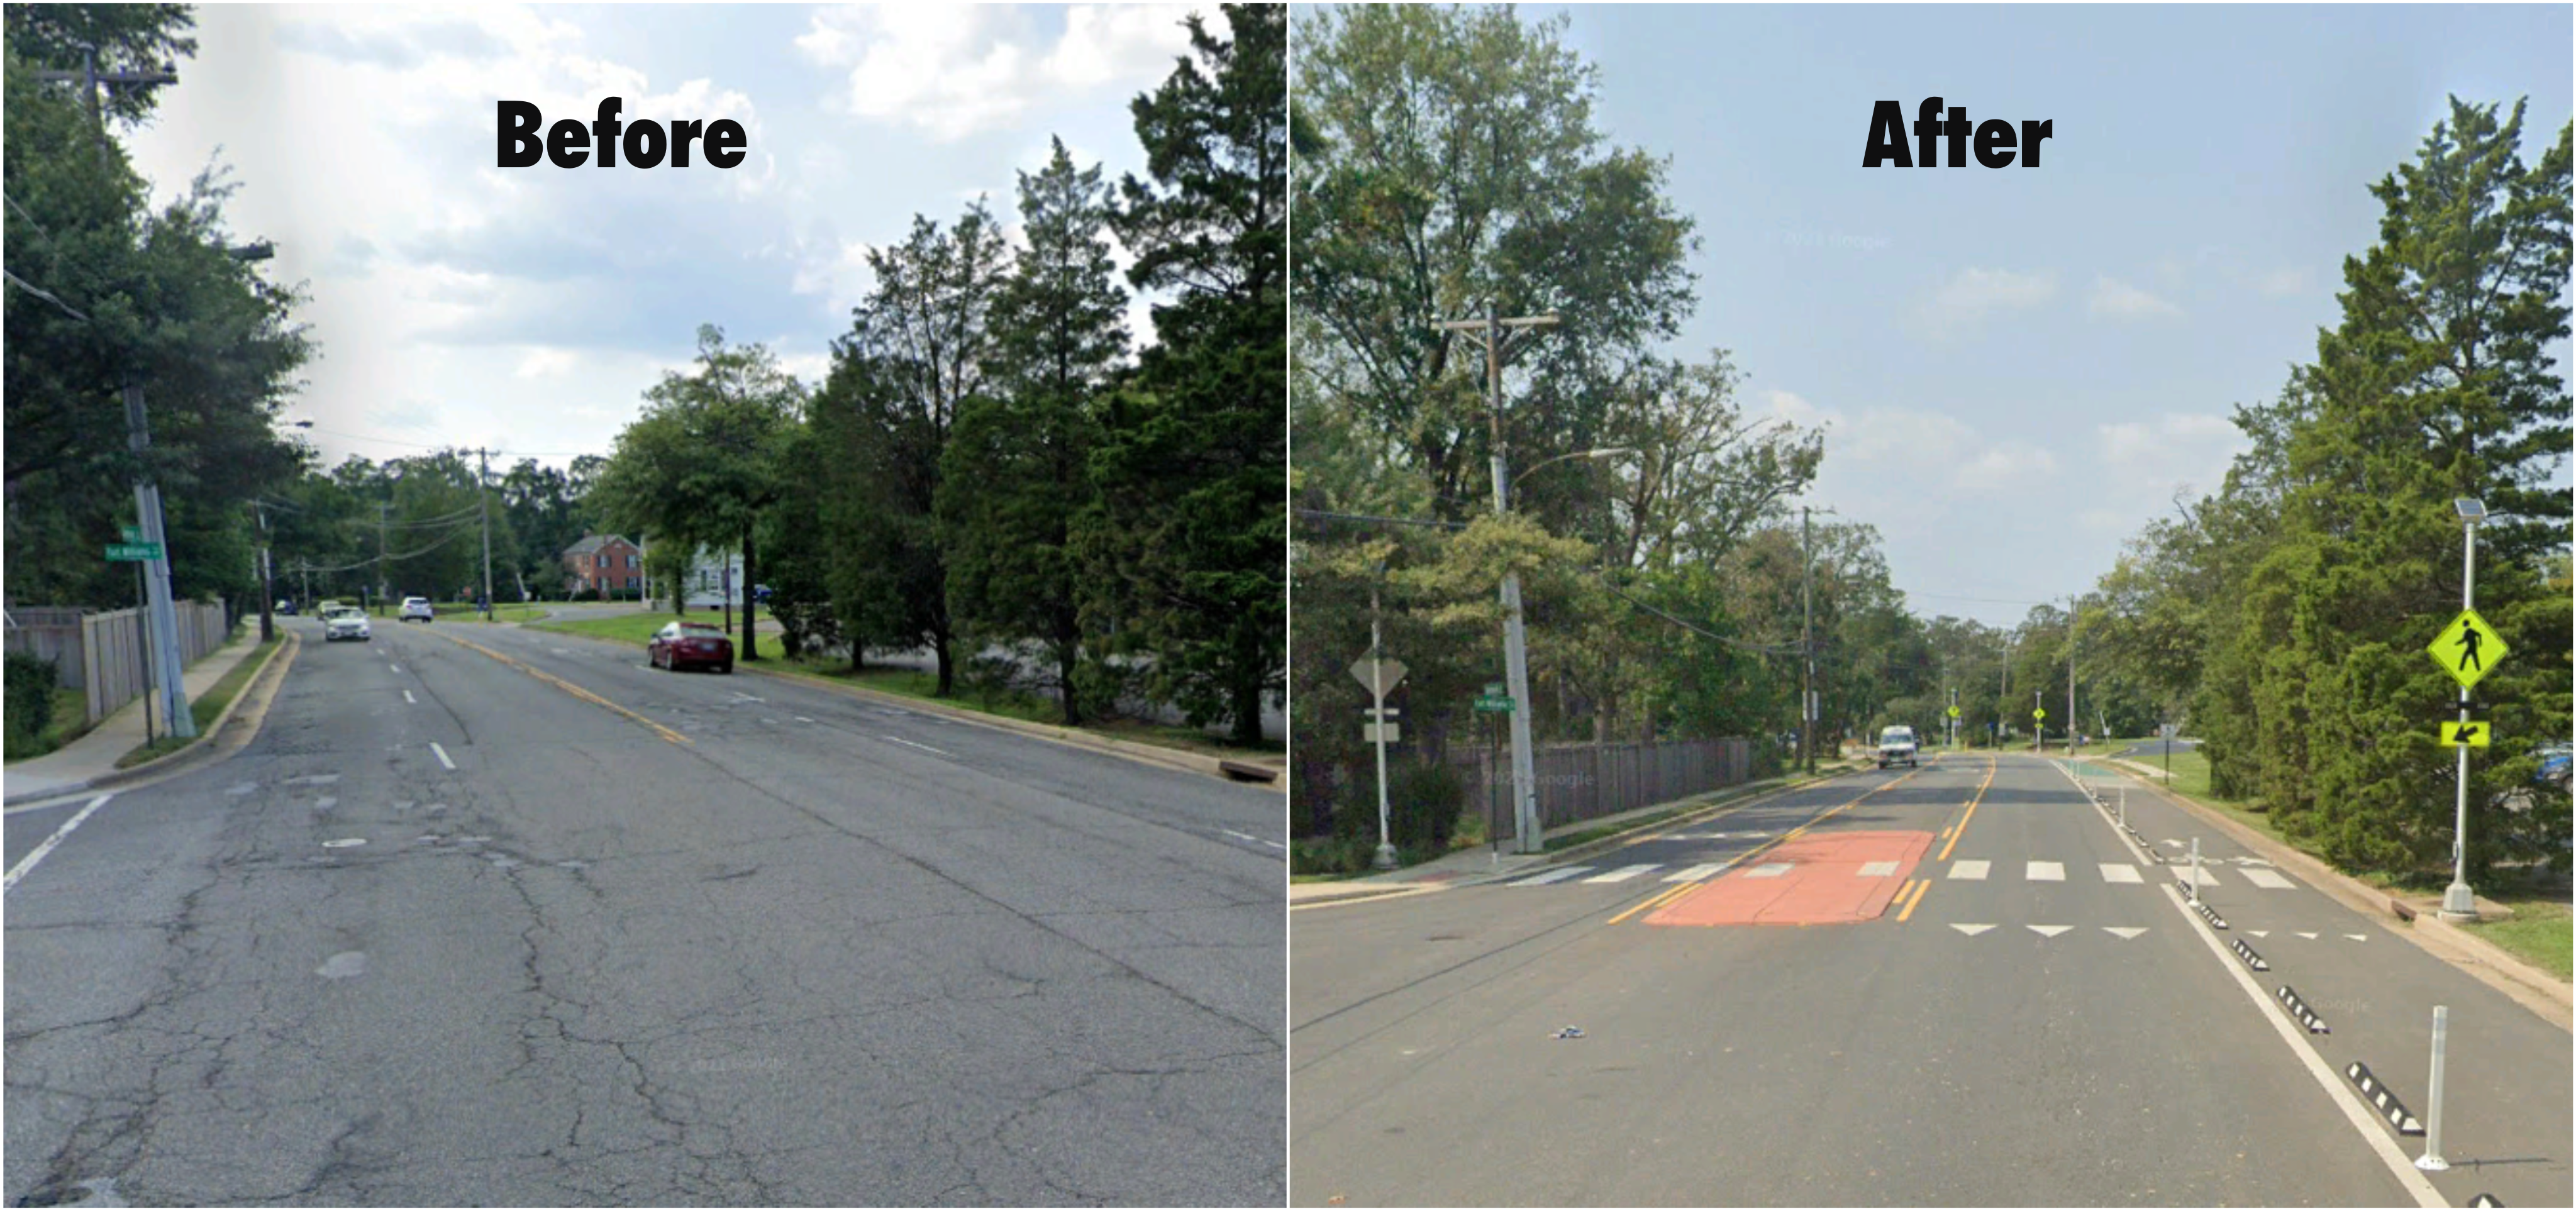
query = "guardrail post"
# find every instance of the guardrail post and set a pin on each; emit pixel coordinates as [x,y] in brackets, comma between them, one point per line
[2432,1159]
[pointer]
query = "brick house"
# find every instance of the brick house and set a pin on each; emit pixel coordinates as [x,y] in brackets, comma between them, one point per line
[603,564]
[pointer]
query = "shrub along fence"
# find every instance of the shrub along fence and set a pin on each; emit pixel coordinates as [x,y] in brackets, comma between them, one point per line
[102,654]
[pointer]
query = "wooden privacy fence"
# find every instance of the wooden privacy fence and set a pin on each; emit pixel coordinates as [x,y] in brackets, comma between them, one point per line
[51,634]
[1578,782]
[102,654]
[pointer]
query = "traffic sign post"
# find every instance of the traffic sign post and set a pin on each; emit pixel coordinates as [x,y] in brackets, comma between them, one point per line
[2466,649]
[1379,675]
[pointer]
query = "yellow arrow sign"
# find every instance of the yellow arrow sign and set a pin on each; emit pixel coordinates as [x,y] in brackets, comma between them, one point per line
[2473,734]
[2467,648]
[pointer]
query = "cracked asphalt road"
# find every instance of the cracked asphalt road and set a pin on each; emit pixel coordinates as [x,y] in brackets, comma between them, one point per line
[823,952]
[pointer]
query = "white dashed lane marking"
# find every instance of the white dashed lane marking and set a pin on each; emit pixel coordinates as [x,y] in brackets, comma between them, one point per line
[1969,868]
[1877,870]
[2120,872]
[442,755]
[2044,872]
[1693,874]
[2269,880]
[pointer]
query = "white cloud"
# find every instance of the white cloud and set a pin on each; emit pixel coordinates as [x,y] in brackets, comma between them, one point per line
[2146,461]
[543,362]
[2121,300]
[1962,303]
[2280,282]
[954,70]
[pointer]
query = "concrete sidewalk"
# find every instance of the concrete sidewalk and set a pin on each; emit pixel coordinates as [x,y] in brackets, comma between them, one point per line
[83,762]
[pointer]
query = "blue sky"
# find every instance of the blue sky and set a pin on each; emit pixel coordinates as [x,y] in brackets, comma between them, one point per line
[527,310]
[2022,365]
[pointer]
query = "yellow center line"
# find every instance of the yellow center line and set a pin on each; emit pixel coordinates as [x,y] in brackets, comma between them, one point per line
[566,686]
[1961,828]
[1919,889]
[1659,898]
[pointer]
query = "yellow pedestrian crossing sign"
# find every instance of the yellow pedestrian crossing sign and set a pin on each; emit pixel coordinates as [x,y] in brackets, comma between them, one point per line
[1954,712]
[2473,734]
[2039,712]
[2467,648]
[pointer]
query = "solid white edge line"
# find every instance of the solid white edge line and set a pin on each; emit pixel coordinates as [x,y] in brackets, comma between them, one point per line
[923,747]
[2343,1097]
[37,855]
[442,755]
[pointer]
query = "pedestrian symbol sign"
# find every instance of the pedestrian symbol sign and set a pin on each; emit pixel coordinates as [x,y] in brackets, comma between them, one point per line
[2467,648]
[2039,712]
[1954,712]
[2471,735]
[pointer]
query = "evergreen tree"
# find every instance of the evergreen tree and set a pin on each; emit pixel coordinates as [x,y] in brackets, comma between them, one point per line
[1187,546]
[1015,472]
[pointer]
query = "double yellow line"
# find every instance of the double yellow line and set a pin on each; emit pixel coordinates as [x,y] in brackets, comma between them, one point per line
[565,686]
[1961,828]
[1677,892]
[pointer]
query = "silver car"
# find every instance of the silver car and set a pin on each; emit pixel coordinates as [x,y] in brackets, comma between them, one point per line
[345,624]
[415,609]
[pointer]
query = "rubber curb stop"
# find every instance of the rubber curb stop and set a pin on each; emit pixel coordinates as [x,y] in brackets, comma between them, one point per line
[2246,953]
[2202,907]
[2299,1009]
[2389,1107]
[2552,998]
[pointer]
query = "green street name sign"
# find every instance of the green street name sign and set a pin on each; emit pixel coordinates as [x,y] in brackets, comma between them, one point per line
[1494,704]
[133,552]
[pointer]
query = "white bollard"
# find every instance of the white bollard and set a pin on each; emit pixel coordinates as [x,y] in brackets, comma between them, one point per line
[2432,1160]
[2124,807]
[2195,871]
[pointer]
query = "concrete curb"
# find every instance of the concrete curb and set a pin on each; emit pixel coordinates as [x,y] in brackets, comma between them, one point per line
[1194,763]
[210,743]
[2534,989]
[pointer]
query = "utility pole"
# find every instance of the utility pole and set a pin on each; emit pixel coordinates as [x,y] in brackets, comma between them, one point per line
[156,573]
[267,585]
[162,635]
[1515,649]
[2074,610]
[1807,639]
[482,474]
[383,586]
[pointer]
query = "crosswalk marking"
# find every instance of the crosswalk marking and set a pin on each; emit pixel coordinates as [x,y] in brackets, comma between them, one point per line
[2120,872]
[1562,872]
[1870,870]
[2044,872]
[1969,868]
[2266,878]
[2208,877]
[1623,874]
[1768,870]
[1693,874]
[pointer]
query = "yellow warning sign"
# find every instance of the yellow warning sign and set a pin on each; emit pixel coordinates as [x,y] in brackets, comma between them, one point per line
[2473,734]
[2039,712]
[2467,648]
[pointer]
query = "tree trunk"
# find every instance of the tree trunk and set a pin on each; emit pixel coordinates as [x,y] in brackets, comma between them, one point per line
[750,601]
[1064,662]
[1247,690]
[947,663]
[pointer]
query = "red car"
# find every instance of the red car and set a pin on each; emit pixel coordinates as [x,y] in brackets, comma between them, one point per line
[691,643]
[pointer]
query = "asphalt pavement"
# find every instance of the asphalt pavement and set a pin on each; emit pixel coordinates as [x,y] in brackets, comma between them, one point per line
[487,915]
[1962,985]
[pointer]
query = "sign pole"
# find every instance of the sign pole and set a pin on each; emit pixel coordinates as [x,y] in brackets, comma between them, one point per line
[2458,903]
[1377,692]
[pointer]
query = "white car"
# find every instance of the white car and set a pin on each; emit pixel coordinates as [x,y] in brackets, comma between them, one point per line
[415,609]
[1896,744]
[345,624]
